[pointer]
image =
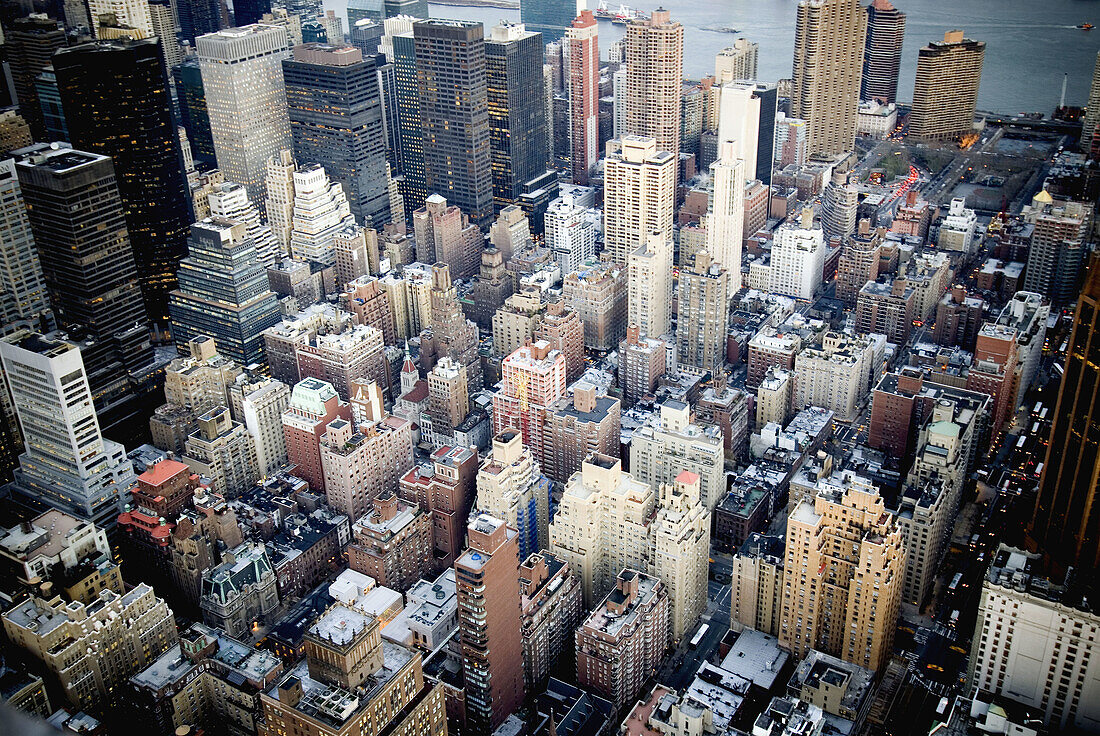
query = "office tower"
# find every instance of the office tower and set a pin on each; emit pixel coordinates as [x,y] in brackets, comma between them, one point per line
[512,488]
[28,45]
[662,449]
[1056,256]
[193,113]
[445,234]
[703,316]
[828,62]
[582,50]
[570,233]
[681,548]
[314,404]
[242,77]
[76,648]
[624,637]
[519,141]
[654,79]
[410,136]
[222,261]
[116,102]
[49,100]
[882,52]
[850,608]
[532,378]
[448,401]
[200,17]
[747,112]
[321,209]
[371,10]
[736,62]
[279,185]
[229,200]
[454,115]
[247,12]
[23,298]
[639,194]
[1061,526]
[649,302]
[798,258]
[67,464]
[336,121]
[551,18]
[489,615]
[579,424]
[726,212]
[1092,112]
[945,93]
[90,273]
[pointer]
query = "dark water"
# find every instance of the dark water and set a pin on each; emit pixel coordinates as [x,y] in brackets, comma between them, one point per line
[1030,44]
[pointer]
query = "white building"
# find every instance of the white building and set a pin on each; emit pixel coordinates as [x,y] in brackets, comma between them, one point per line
[726,211]
[22,286]
[798,258]
[279,181]
[639,194]
[661,451]
[958,228]
[242,77]
[230,200]
[570,232]
[650,286]
[320,211]
[736,62]
[259,405]
[739,122]
[875,120]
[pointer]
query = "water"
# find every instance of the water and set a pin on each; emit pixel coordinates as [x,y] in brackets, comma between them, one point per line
[1030,44]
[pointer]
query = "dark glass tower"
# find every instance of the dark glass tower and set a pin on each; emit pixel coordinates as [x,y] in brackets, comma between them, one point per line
[247,12]
[49,101]
[548,17]
[80,232]
[199,17]
[115,96]
[882,52]
[30,43]
[768,94]
[415,8]
[373,10]
[1066,523]
[193,113]
[454,115]
[336,121]
[410,136]
[518,136]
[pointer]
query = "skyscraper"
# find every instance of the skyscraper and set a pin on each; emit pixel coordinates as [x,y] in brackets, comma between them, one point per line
[532,379]
[739,124]
[703,316]
[654,79]
[336,120]
[29,43]
[410,136]
[551,18]
[945,93]
[199,17]
[67,463]
[80,232]
[454,115]
[1063,525]
[115,95]
[726,212]
[247,12]
[639,194]
[518,137]
[736,62]
[828,63]
[320,211]
[582,49]
[23,300]
[1092,112]
[193,114]
[127,14]
[223,291]
[487,579]
[650,285]
[882,52]
[242,77]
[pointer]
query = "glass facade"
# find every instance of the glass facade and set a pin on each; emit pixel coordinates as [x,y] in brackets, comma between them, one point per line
[548,17]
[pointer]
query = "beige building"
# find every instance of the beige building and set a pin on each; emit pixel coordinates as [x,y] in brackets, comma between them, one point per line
[660,451]
[756,595]
[840,374]
[654,50]
[703,313]
[681,549]
[448,400]
[510,487]
[736,62]
[639,192]
[199,380]
[828,67]
[92,650]
[726,211]
[945,93]
[843,572]
[223,451]
[773,397]
[258,403]
[598,294]
[517,320]
[649,303]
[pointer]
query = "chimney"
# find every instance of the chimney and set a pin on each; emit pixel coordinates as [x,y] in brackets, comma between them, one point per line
[584,398]
[958,294]
[633,333]
[864,227]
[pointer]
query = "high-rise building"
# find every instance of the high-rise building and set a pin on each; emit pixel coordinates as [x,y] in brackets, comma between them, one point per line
[321,210]
[828,65]
[641,363]
[639,194]
[703,313]
[597,294]
[663,449]
[445,491]
[882,52]
[222,450]
[945,93]
[454,115]
[222,263]
[67,463]
[258,403]
[29,43]
[1061,526]
[335,110]
[445,234]
[313,405]
[532,378]
[654,50]
[89,271]
[448,400]
[551,603]
[551,18]
[849,605]
[247,12]
[582,49]
[489,623]
[453,335]
[1056,256]
[115,95]
[681,548]
[649,301]
[193,113]
[392,542]
[229,200]
[23,300]
[579,424]
[726,211]
[410,138]
[200,17]
[798,258]
[739,124]
[1092,112]
[736,62]
[242,77]
[512,488]
[519,140]
[570,233]
[163,21]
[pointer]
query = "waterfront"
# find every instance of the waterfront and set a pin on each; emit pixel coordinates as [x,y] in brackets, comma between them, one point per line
[1029,45]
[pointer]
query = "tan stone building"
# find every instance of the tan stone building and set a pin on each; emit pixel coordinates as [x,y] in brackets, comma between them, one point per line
[579,425]
[597,293]
[703,314]
[392,543]
[681,548]
[650,286]
[945,93]
[639,193]
[448,400]
[654,57]
[511,487]
[222,450]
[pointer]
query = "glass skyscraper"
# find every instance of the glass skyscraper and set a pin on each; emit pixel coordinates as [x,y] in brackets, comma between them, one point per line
[193,113]
[548,17]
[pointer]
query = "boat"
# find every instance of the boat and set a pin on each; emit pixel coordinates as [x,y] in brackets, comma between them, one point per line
[1085,26]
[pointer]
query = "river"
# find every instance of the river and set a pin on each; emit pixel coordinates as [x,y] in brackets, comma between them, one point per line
[1030,44]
